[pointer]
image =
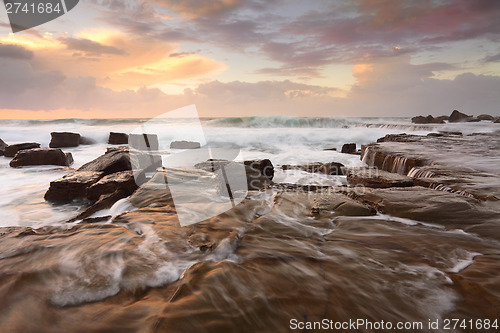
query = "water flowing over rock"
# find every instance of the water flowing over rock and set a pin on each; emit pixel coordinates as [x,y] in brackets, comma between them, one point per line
[11,150]
[378,179]
[64,140]
[41,156]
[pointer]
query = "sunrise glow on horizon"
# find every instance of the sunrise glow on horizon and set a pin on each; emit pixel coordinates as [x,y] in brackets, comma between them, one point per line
[137,59]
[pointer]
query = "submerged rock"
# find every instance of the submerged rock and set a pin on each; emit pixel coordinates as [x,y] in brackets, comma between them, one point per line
[11,150]
[86,141]
[184,145]
[41,156]
[64,140]
[118,138]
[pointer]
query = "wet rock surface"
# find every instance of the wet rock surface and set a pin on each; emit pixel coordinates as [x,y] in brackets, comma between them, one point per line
[378,179]
[332,168]
[41,156]
[2,147]
[64,140]
[118,138]
[11,150]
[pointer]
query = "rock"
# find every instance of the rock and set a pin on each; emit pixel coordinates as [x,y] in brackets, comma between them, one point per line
[64,140]
[2,147]
[11,150]
[403,137]
[184,145]
[333,168]
[72,186]
[111,162]
[259,173]
[123,181]
[118,138]
[105,201]
[428,120]
[457,117]
[349,148]
[485,117]
[143,142]
[376,156]
[330,149]
[497,121]
[262,167]
[41,156]
[378,179]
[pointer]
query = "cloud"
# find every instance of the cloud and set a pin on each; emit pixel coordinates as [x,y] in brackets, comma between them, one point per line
[14,52]
[493,58]
[89,47]
[197,8]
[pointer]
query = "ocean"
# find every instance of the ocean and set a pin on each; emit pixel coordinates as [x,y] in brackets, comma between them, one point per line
[265,265]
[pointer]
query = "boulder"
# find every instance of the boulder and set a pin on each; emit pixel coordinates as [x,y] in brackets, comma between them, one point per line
[11,150]
[143,142]
[330,149]
[2,147]
[497,121]
[72,186]
[457,117]
[378,179]
[259,173]
[112,161]
[184,145]
[41,156]
[123,181]
[64,140]
[349,148]
[118,138]
[332,168]
[428,120]
[485,117]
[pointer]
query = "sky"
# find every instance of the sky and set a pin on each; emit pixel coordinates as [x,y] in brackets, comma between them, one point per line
[232,58]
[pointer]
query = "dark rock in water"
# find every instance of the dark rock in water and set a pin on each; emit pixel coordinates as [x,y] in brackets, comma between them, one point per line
[448,133]
[111,162]
[330,149]
[86,141]
[263,167]
[349,148]
[124,181]
[2,147]
[144,142]
[41,156]
[497,121]
[378,179]
[333,168]
[259,173]
[184,145]
[72,186]
[485,117]
[118,138]
[11,150]
[64,139]
[457,117]
[428,120]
